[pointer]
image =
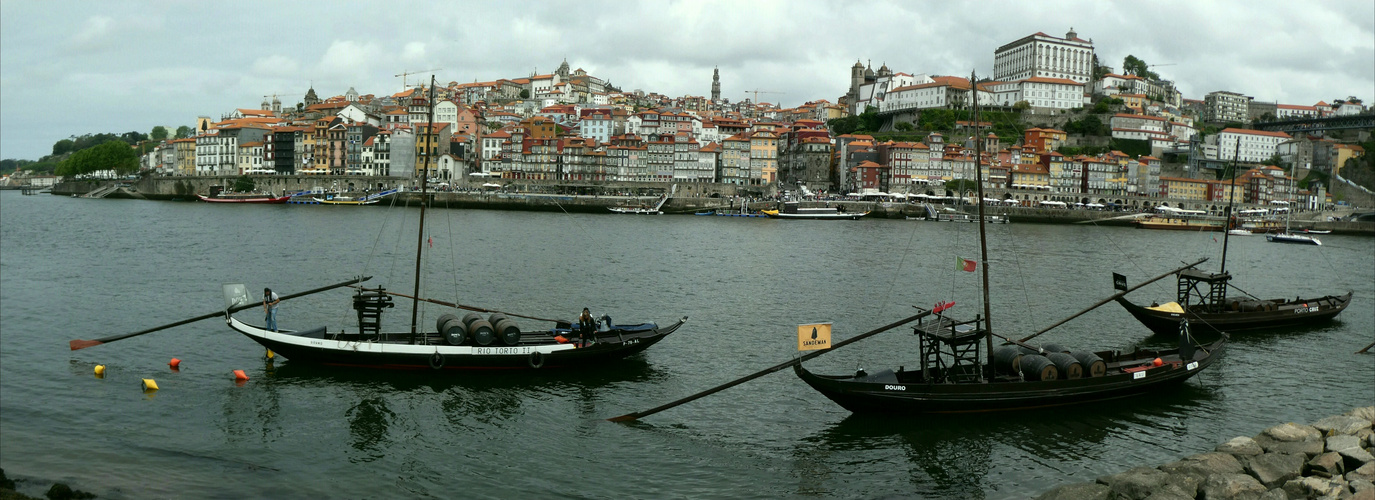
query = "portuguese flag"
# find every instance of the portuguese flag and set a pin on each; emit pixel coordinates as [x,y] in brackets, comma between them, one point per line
[964,264]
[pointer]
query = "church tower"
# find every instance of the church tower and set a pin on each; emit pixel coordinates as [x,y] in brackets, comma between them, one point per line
[311,98]
[716,84]
[561,75]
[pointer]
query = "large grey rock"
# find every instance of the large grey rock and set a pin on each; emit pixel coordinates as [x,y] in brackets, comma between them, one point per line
[1365,472]
[1356,457]
[1205,464]
[1078,491]
[1325,465]
[1339,443]
[1313,487]
[1274,494]
[1137,483]
[1341,425]
[1272,445]
[1366,412]
[1241,447]
[1292,432]
[1170,492]
[1360,485]
[1273,469]
[1364,494]
[1232,487]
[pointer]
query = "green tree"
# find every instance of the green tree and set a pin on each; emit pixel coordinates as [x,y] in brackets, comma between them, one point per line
[63,146]
[244,184]
[184,132]
[904,126]
[1021,105]
[524,93]
[159,133]
[1133,66]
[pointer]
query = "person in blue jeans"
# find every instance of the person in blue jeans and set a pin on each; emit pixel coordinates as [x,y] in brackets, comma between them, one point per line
[270,301]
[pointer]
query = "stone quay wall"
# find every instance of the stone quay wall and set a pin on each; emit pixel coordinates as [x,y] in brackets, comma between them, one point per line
[1330,458]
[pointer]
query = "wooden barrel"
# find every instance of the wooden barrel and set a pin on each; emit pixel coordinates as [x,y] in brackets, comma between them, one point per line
[1093,365]
[507,331]
[1007,359]
[1068,366]
[452,328]
[469,318]
[1038,367]
[481,332]
[495,318]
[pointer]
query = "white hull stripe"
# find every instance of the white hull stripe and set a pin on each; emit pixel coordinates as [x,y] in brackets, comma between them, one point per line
[388,348]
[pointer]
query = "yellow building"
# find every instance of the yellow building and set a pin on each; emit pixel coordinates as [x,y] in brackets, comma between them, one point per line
[185,150]
[1345,152]
[764,156]
[1184,189]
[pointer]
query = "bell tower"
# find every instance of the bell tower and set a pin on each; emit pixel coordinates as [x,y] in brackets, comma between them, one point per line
[716,84]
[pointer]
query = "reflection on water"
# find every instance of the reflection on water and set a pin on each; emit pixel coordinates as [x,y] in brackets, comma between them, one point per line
[952,456]
[369,421]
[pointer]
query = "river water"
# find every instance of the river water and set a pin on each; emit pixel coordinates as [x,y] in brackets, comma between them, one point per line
[84,269]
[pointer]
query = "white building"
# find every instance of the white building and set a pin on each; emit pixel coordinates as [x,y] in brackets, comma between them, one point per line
[1040,92]
[1042,55]
[1256,145]
[1223,107]
[1138,127]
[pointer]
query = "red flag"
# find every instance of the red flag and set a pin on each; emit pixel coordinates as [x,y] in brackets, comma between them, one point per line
[966,264]
[431,240]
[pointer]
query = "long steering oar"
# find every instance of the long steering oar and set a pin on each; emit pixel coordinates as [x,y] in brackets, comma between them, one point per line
[461,306]
[82,344]
[1110,299]
[632,416]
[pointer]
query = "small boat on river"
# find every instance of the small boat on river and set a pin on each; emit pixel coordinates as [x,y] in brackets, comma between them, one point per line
[244,198]
[1202,299]
[959,370]
[792,210]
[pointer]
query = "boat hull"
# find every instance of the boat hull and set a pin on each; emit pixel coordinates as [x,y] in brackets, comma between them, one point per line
[260,199]
[1285,313]
[1300,239]
[537,349]
[815,216]
[904,392]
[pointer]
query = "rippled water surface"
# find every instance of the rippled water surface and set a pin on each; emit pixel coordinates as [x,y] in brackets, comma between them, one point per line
[84,269]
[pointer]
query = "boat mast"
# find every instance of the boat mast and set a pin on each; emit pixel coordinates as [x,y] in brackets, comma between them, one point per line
[420,235]
[1231,197]
[983,241]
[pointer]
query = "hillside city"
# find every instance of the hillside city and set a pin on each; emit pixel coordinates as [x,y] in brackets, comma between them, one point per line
[1057,122]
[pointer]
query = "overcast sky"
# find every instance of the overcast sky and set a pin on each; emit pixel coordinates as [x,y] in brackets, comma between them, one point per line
[70,68]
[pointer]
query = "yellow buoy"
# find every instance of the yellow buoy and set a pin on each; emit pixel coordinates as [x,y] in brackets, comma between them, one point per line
[100,371]
[149,385]
[270,354]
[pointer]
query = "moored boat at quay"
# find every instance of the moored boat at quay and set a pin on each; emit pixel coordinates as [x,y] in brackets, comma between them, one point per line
[1180,223]
[793,210]
[244,198]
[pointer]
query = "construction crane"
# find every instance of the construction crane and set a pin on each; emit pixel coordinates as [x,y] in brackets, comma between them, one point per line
[403,74]
[756,93]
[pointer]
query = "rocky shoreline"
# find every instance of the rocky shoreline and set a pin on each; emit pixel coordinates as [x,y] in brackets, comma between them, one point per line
[1330,458]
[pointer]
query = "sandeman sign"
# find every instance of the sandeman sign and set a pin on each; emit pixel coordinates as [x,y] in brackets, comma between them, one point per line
[814,336]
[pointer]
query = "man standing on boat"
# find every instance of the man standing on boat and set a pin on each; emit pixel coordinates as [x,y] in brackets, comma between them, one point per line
[270,301]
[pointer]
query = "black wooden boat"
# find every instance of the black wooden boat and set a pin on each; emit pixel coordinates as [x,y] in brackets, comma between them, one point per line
[959,370]
[1202,299]
[951,377]
[1204,302]
[470,342]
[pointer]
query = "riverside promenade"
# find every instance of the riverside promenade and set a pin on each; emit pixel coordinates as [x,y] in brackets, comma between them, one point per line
[1330,458]
[683,198]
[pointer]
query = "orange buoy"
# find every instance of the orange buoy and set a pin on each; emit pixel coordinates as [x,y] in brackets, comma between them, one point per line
[240,375]
[174,363]
[149,385]
[1157,362]
[99,371]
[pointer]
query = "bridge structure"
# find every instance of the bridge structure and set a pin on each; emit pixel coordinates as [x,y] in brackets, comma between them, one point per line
[1347,122]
